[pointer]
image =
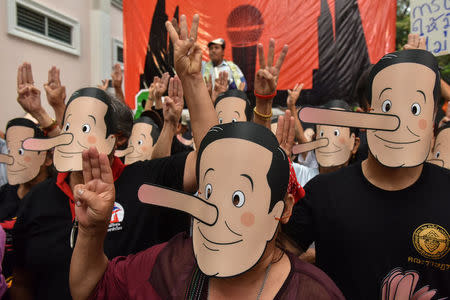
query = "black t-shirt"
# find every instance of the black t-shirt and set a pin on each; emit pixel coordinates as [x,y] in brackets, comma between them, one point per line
[9,204]
[44,223]
[363,232]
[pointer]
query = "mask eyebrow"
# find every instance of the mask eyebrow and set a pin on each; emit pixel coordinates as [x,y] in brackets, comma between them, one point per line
[95,121]
[210,169]
[423,94]
[385,89]
[249,178]
[144,136]
[239,115]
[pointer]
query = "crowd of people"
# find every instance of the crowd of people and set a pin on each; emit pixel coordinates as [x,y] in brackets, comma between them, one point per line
[342,201]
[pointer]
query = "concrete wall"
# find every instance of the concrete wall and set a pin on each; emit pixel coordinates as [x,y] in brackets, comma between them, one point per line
[76,71]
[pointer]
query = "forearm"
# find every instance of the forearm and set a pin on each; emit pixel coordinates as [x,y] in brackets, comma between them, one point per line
[22,288]
[59,113]
[163,145]
[88,264]
[158,103]
[202,113]
[119,93]
[45,121]
[263,114]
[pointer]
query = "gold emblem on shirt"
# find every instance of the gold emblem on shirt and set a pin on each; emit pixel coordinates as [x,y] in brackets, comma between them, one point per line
[431,241]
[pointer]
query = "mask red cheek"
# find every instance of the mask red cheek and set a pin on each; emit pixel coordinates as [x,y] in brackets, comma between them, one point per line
[247,219]
[144,149]
[423,124]
[92,139]
[341,140]
[27,158]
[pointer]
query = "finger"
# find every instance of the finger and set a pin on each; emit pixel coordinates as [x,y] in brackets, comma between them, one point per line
[24,73]
[405,286]
[34,144]
[421,43]
[105,169]
[280,129]
[282,57]
[295,87]
[172,32]
[271,53]
[262,60]
[332,117]
[183,28]
[420,292]
[194,27]
[171,88]
[6,159]
[57,76]
[95,163]
[196,207]
[306,147]
[19,76]
[50,75]
[84,196]
[178,87]
[410,38]
[122,153]
[86,166]
[428,295]
[29,74]
[47,88]
[300,87]
[287,119]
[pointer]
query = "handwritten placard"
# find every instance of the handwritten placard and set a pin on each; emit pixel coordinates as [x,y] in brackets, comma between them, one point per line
[431,19]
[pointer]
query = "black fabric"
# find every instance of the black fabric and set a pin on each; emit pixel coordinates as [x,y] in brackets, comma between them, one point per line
[363,232]
[44,224]
[179,147]
[9,204]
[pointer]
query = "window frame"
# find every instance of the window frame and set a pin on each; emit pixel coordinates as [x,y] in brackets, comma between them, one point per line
[21,32]
[116,43]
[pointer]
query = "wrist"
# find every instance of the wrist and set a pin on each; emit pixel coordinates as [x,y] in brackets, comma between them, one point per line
[95,232]
[170,126]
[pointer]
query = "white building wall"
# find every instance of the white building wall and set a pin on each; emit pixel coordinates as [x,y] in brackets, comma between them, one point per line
[76,71]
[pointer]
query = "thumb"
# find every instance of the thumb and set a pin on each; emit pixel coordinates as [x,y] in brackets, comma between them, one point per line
[47,88]
[83,196]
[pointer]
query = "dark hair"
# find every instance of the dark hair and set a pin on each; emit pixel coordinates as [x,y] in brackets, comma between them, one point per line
[362,89]
[417,56]
[278,174]
[442,128]
[338,103]
[155,116]
[38,133]
[238,94]
[155,132]
[118,117]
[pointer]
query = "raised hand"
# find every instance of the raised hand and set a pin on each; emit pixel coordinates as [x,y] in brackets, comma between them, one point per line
[161,84]
[187,53]
[56,93]
[208,82]
[293,95]
[116,77]
[28,96]
[415,42]
[104,85]
[266,79]
[173,104]
[220,85]
[95,198]
[286,132]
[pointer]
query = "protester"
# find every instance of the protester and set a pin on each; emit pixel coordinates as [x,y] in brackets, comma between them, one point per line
[372,217]
[217,64]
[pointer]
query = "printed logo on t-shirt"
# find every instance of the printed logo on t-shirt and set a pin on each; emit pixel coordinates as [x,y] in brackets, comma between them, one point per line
[118,213]
[431,241]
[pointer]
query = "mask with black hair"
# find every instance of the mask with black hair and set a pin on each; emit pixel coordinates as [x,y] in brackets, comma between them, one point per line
[22,165]
[243,177]
[92,118]
[441,151]
[233,106]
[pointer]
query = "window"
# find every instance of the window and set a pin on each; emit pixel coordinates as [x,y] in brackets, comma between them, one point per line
[117,52]
[35,22]
[117,3]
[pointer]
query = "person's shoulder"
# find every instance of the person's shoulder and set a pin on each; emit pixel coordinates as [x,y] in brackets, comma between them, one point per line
[312,281]
[436,170]
[339,177]
[7,188]
[155,164]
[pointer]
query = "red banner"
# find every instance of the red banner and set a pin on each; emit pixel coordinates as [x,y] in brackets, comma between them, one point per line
[330,41]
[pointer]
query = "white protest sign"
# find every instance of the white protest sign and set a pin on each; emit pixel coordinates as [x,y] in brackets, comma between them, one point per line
[431,19]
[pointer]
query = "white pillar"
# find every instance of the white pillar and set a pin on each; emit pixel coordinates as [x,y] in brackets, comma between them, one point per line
[100,40]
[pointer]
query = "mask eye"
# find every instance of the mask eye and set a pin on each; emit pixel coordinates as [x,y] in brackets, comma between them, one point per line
[437,154]
[415,109]
[21,151]
[336,132]
[238,199]
[86,128]
[220,120]
[8,151]
[386,106]
[66,128]
[234,120]
[321,133]
[140,142]
[208,191]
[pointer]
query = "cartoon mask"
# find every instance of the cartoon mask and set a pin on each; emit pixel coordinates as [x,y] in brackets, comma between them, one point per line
[87,123]
[233,106]
[143,138]
[22,165]
[441,151]
[243,177]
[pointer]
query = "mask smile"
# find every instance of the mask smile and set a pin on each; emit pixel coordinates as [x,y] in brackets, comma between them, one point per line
[17,171]
[217,243]
[70,153]
[396,143]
